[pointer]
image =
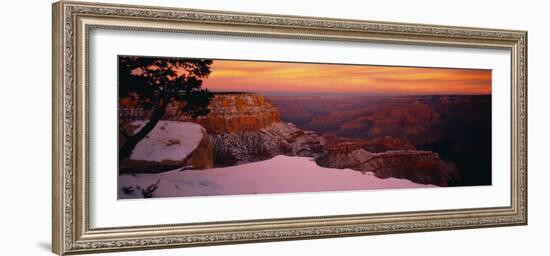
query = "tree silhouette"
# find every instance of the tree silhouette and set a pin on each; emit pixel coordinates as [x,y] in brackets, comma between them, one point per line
[154,82]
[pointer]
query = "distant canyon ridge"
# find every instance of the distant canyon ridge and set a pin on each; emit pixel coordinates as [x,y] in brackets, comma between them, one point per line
[440,140]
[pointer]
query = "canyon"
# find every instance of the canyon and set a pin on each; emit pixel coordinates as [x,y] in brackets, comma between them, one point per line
[456,127]
[380,137]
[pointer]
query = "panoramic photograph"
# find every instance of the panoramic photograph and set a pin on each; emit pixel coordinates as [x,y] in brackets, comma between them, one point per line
[205,127]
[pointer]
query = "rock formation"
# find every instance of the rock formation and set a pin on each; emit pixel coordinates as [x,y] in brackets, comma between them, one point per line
[268,137]
[386,143]
[238,112]
[170,145]
[276,139]
[203,156]
[422,167]
[245,127]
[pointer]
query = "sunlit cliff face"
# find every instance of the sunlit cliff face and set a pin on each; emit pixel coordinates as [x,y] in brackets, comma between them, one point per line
[256,76]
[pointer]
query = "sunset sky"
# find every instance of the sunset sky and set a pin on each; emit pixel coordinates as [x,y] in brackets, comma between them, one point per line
[304,78]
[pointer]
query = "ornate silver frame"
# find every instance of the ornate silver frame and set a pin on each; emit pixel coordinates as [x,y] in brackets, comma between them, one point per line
[72,21]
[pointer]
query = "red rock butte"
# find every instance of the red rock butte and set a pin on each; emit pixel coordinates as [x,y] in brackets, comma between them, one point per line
[238,112]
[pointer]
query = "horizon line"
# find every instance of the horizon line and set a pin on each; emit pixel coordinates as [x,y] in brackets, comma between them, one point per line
[335,94]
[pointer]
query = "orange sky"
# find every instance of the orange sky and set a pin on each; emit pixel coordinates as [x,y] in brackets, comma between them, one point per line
[281,77]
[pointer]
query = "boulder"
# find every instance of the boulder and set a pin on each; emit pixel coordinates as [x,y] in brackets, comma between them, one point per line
[170,145]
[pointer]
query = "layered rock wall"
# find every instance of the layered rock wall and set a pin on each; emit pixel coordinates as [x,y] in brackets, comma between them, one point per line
[245,127]
[424,167]
[276,139]
[238,112]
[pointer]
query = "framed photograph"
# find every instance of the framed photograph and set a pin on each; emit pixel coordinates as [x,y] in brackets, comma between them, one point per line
[179,127]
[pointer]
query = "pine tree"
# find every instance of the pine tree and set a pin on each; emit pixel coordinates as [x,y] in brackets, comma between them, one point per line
[154,82]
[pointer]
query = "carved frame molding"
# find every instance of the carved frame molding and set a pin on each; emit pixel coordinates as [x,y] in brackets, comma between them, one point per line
[72,22]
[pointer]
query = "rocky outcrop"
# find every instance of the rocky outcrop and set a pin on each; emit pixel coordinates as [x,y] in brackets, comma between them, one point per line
[170,145]
[276,139]
[245,127]
[238,112]
[203,156]
[422,167]
[343,155]
[386,143]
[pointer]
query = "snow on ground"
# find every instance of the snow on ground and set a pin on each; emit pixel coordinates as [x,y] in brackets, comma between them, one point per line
[277,175]
[169,140]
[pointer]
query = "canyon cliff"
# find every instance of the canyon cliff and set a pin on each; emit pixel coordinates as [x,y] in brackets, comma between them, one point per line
[246,127]
[423,167]
[237,113]
[457,127]
[276,139]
